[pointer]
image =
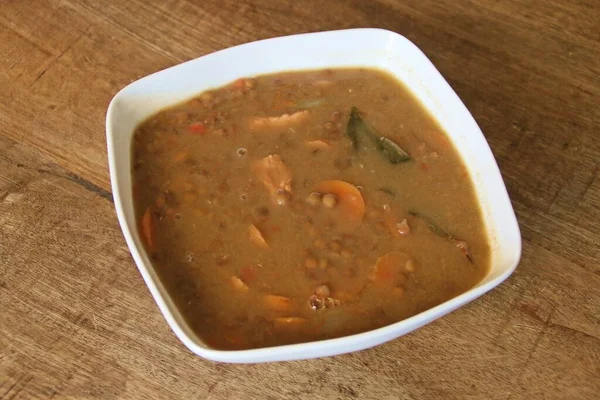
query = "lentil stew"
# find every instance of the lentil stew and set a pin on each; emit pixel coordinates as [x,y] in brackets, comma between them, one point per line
[303,206]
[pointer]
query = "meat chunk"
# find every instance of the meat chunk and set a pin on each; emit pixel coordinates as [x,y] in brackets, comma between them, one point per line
[274,174]
[239,284]
[280,122]
[257,237]
[318,145]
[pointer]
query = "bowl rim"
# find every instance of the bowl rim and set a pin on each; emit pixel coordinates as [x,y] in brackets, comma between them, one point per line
[351,343]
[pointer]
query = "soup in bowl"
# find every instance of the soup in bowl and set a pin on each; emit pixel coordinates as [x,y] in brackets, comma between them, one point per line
[305,206]
[328,195]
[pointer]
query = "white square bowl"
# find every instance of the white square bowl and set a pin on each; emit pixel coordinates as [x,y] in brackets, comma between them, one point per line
[373,48]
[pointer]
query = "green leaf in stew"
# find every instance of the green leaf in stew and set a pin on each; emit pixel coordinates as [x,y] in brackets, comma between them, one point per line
[433,227]
[392,151]
[436,229]
[388,190]
[355,126]
[358,129]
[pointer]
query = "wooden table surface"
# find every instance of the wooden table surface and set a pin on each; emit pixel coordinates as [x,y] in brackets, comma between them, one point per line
[76,320]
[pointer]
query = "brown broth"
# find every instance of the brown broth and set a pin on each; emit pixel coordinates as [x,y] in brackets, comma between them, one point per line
[198,188]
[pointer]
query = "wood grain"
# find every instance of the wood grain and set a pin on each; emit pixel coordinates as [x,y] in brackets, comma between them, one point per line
[76,320]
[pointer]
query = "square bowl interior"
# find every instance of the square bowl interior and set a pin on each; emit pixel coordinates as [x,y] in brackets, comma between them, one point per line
[370,48]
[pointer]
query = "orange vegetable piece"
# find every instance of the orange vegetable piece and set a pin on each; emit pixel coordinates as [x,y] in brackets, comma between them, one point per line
[147,229]
[278,303]
[257,237]
[248,273]
[239,83]
[197,128]
[388,269]
[350,203]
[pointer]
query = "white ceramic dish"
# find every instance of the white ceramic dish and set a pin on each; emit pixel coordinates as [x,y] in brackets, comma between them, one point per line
[348,48]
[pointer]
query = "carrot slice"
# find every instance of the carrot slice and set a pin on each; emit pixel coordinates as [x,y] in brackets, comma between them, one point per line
[389,268]
[257,237]
[350,203]
[147,229]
